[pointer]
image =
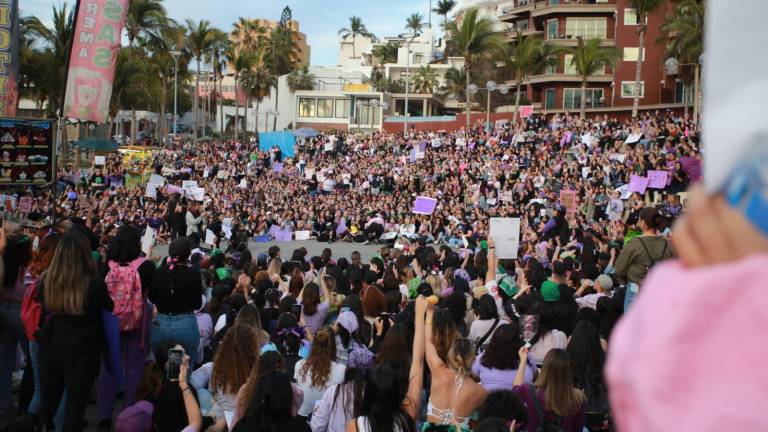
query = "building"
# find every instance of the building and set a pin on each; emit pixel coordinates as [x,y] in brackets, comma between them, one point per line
[490,9]
[561,22]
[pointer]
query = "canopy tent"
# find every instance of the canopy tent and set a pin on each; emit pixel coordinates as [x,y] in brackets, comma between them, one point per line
[306,132]
[285,141]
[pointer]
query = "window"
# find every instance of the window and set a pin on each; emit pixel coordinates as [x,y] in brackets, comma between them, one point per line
[630,17]
[569,68]
[588,28]
[522,25]
[552,29]
[630,54]
[551,69]
[325,108]
[342,108]
[549,100]
[306,107]
[572,98]
[628,89]
[417,59]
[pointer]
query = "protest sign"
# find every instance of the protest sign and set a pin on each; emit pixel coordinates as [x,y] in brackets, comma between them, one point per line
[633,138]
[568,200]
[157,179]
[172,189]
[197,194]
[25,204]
[657,179]
[638,184]
[506,196]
[526,111]
[277,167]
[585,172]
[99,160]
[210,237]
[624,191]
[302,235]
[424,205]
[188,184]
[151,190]
[505,233]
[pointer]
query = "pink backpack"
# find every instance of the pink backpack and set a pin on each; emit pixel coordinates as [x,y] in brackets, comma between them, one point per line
[124,286]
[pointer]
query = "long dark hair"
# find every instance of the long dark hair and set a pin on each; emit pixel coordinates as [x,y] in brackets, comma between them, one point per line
[505,340]
[383,402]
[18,254]
[310,298]
[125,246]
[271,404]
[586,353]
[178,253]
[354,380]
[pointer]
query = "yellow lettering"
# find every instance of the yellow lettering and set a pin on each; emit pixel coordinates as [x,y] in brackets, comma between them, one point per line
[5,15]
[4,59]
[5,39]
[2,85]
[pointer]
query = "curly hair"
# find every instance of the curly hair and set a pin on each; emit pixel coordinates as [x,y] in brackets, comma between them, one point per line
[505,340]
[318,365]
[235,358]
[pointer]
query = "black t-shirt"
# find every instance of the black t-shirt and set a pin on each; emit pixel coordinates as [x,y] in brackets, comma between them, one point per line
[177,291]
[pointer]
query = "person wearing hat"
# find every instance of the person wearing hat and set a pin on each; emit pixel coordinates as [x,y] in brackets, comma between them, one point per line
[346,335]
[602,285]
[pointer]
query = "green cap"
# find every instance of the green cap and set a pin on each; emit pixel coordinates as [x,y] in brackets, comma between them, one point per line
[550,291]
[508,285]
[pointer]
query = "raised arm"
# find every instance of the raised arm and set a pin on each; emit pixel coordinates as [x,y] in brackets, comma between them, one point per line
[416,375]
[522,366]
[490,275]
[194,417]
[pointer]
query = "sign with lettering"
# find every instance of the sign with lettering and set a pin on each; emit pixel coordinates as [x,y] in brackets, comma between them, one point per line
[26,151]
[9,57]
[94,55]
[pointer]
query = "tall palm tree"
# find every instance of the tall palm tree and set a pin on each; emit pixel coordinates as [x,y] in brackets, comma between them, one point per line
[301,79]
[200,38]
[386,53]
[527,56]
[643,8]
[356,28]
[455,81]
[472,38]
[146,19]
[444,7]
[588,58]
[281,43]
[215,58]
[414,23]
[240,62]
[260,81]
[247,33]
[425,80]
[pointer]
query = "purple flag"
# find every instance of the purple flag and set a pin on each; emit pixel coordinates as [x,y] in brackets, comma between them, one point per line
[422,146]
[424,205]
[638,184]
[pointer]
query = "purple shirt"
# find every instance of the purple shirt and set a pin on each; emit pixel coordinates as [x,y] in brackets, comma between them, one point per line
[315,322]
[571,423]
[498,379]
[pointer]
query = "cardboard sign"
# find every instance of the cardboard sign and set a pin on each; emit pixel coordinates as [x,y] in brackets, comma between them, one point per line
[424,205]
[188,184]
[505,233]
[657,179]
[638,184]
[99,160]
[151,190]
[302,235]
[568,200]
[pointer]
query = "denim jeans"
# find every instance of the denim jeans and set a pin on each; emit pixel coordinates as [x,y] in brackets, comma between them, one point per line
[176,329]
[11,336]
[34,404]
[629,297]
[133,365]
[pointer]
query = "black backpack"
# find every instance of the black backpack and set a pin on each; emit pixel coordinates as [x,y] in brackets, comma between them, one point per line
[544,425]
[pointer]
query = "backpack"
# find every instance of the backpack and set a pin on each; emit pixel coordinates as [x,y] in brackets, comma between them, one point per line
[544,425]
[124,286]
[31,310]
[654,261]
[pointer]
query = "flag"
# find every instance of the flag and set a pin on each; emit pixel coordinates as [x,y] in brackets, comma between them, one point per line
[9,57]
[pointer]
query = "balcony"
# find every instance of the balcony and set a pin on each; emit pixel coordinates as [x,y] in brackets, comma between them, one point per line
[572,41]
[547,7]
[561,77]
[528,31]
[518,8]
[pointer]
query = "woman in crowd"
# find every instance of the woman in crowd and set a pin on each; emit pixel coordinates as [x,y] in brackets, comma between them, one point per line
[124,264]
[319,371]
[176,291]
[551,399]
[547,337]
[495,368]
[72,339]
[314,309]
[487,322]
[340,402]
[642,252]
[270,409]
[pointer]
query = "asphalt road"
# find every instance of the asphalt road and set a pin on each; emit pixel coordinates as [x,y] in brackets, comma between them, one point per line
[340,249]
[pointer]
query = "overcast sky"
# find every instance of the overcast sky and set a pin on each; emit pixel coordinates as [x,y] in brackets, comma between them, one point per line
[319,19]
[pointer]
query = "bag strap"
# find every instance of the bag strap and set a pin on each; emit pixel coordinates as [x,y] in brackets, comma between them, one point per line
[536,403]
[482,340]
[647,252]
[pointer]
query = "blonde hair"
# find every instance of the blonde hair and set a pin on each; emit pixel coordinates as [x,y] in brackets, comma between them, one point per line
[461,355]
[66,280]
[437,286]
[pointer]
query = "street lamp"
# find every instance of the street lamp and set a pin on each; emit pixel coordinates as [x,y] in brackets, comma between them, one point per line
[489,87]
[410,37]
[671,67]
[175,55]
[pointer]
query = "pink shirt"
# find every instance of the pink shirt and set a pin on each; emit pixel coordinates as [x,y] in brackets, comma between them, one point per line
[688,355]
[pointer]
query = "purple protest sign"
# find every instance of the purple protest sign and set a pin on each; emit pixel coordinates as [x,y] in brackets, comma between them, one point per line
[277,167]
[341,228]
[422,146]
[284,235]
[424,205]
[657,179]
[638,184]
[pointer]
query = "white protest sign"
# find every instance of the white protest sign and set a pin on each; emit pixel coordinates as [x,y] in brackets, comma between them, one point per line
[99,160]
[210,237]
[585,172]
[188,184]
[302,235]
[633,138]
[505,233]
[157,179]
[151,191]
[197,194]
[148,241]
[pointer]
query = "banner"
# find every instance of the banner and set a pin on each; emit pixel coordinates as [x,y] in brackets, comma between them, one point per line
[9,57]
[26,147]
[568,200]
[505,233]
[96,43]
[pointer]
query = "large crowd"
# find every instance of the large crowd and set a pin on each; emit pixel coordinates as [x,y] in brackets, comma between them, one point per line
[433,333]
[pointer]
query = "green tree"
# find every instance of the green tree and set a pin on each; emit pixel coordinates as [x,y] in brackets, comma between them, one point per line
[215,58]
[414,23]
[200,38]
[280,53]
[240,62]
[455,84]
[301,79]
[258,81]
[356,28]
[386,53]
[425,80]
[643,8]
[472,38]
[683,31]
[527,56]
[145,19]
[444,7]
[589,58]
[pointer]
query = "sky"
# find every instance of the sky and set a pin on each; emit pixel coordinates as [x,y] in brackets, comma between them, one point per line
[320,20]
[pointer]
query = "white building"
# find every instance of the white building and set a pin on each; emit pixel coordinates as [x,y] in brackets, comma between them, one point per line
[490,9]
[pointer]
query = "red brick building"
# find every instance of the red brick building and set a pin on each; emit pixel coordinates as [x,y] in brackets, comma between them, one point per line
[560,22]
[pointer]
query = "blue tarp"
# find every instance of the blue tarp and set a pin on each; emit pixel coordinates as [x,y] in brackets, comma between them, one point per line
[283,140]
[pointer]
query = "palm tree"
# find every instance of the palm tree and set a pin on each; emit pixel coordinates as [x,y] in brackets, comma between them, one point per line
[278,56]
[356,28]
[444,7]
[301,79]
[683,34]
[240,62]
[588,58]
[472,38]
[414,23]
[146,19]
[455,81]
[425,80]
[643,8]
[386,53]
[258,81]
[527,56]
[200,38]
[215,58]
[246,33]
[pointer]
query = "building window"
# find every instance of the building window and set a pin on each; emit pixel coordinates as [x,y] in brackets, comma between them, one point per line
[325,108]
[572,98]
[417,59]
[551,69]
[307,107]
[631,19]
[587,28]
[522,25]
[628,89]
[342,108]
[552,29]
[630,54]
[549,99]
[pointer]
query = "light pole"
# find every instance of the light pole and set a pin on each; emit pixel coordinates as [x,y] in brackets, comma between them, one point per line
[410,37]
[274,113]
[489,87]
[175,55]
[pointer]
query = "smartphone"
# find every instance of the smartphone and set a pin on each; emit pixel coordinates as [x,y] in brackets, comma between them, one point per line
[297,310]
[173,368]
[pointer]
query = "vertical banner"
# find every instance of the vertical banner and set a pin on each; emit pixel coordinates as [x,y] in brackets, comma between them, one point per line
[9,57]
[96,44]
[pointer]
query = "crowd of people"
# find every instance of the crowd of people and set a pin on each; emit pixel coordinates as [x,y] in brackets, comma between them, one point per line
[433,333]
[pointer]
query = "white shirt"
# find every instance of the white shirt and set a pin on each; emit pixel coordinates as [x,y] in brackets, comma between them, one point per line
[589,300]
[313,394]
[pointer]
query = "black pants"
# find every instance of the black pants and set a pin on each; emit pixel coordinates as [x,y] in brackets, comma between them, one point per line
[73,370]
[374,231]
